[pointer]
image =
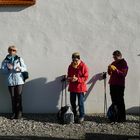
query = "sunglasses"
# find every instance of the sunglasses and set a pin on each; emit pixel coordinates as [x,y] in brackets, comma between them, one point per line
[13,50]
[75,57]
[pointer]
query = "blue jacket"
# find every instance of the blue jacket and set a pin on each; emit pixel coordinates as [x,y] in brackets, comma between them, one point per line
[14,77]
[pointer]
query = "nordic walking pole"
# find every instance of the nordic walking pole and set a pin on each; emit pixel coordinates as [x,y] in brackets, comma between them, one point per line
[105,99]
[63,80]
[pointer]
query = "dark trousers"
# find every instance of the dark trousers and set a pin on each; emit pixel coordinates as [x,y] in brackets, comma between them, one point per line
[80,96]
[117,97]
[16,98]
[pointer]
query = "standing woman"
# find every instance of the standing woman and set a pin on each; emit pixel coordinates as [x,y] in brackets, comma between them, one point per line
[118,70]
[12,66]
[77,77]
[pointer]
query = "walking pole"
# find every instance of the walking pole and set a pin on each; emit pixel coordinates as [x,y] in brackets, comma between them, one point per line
[63,80]
[62,93]
[105,99]
[65,86]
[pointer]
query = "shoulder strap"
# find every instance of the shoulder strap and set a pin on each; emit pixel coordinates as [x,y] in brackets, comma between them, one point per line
[19,60]
[6,58]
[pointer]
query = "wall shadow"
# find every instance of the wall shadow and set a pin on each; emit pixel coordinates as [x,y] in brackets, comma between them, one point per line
[92,82]
[40,96]
[30,138]
[47,118]
[98,136]
[5,101]
[100,119]
[4,8]
[134,110]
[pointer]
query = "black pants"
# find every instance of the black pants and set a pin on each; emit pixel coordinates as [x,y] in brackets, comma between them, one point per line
[16,98]
[117,97]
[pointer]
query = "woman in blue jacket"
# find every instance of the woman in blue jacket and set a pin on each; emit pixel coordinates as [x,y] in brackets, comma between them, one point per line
[12,66]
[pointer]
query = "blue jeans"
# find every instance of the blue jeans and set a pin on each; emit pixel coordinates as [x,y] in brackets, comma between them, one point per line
[80,96]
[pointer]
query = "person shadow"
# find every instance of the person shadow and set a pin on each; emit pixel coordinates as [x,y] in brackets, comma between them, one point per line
[4,95]
[92,82]
[41,98]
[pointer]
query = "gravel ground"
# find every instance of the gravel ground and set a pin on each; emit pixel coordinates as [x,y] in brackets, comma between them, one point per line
[96,126]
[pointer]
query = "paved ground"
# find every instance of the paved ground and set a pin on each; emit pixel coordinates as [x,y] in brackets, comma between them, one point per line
[42,127]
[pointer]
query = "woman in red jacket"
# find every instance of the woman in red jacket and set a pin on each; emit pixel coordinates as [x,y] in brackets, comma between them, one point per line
[77,77]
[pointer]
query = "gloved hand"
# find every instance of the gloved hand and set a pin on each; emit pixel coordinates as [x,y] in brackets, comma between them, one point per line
[113,67]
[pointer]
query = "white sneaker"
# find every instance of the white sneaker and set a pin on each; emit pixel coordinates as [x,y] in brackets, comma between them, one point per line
[81,120]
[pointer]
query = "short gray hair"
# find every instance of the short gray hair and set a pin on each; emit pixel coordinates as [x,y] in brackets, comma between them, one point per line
[12,47]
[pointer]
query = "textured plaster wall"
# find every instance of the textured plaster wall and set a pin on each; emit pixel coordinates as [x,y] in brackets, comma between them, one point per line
[46,35]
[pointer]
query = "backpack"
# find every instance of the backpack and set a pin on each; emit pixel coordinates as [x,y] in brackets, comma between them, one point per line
[65,114]
[113,113]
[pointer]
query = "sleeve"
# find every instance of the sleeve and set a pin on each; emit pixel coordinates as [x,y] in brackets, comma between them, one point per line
[4,67]
[22,66]
[109,71]
[123,71]
[84,77]
[68,72]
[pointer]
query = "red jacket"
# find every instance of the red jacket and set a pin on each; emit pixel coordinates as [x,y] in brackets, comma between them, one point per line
[82,73]
[118,76]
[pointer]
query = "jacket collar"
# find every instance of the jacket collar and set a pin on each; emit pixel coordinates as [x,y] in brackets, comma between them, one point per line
[8,57]
[78,65]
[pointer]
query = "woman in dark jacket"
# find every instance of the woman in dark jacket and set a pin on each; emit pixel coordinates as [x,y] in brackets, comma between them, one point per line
[118,70]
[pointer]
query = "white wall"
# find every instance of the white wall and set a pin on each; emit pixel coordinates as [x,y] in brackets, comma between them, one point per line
[46,35]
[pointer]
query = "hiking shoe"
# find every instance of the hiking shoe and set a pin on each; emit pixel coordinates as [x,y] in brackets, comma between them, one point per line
[19,115]
[13,116]
[81,120]
[76,119]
